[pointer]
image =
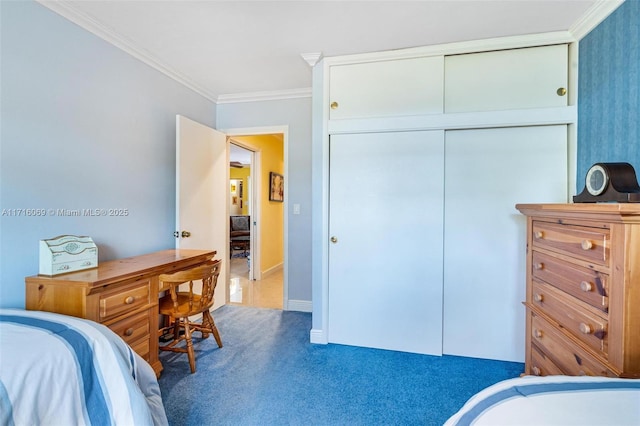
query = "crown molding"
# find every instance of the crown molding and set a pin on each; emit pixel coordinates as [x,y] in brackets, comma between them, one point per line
[312,58]
[596,14]
[455,48]
[68,11]
[592,18]
[265,96]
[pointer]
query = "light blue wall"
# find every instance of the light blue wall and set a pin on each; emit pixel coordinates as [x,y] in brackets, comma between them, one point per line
[295,113]
[84,126]
[609,92]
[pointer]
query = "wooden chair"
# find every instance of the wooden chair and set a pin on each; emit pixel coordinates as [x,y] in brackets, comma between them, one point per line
[180,305]
[239,233]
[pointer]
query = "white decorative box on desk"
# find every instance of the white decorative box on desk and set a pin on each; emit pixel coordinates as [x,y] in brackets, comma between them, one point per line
[67,253]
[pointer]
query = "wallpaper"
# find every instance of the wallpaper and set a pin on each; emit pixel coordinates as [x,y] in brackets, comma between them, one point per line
[609,92]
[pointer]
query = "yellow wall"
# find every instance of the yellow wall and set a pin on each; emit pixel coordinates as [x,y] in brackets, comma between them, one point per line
[272,221]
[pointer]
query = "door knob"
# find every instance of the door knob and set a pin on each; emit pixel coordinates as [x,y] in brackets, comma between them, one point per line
[334,105]
[561,91]
[186,234]
[334,240]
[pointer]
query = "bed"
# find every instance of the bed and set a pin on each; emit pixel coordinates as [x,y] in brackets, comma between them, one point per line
[56,369]
[554,400]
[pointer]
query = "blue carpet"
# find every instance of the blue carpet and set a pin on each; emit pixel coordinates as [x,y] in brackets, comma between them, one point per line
[268,373]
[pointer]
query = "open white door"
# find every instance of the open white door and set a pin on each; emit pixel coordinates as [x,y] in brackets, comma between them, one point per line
[202,175]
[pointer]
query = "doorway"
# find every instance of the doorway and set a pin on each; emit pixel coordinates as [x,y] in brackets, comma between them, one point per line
[256,270]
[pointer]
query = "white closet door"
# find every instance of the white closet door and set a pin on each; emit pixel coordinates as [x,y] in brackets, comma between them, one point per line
[387,88]
[487,172]
[508,79]
[385,266]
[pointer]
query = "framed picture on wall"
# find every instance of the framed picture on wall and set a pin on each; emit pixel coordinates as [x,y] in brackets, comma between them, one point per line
[276,187]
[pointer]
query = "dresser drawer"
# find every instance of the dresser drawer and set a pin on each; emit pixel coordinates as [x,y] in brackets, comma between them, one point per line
[590,286]
[573,360]
[541,364]
[132,328]
[575,319]
[581,242]
[125,299]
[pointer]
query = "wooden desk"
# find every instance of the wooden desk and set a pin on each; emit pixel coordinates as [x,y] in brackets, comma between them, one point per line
[121,294]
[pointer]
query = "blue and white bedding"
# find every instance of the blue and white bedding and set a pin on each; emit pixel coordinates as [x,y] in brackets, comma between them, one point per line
[554,400]
[61,370]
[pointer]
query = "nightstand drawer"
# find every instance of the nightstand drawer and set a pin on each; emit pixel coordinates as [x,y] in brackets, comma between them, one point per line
[573,360]
[125,299]
[575,319]
[590,286]
[581,242]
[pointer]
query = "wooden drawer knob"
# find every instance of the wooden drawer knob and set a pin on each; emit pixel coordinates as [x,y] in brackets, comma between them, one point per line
[585,328]
[586,286]
[128,332]
[538,297]
[129,300]
[538,234]
[539,266]
[537,334]
[536,371]
[586,245]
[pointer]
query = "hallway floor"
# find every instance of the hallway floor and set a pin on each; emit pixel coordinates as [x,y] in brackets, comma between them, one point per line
[264,293]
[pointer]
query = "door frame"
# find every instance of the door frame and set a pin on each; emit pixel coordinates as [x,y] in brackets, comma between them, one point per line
[267,130]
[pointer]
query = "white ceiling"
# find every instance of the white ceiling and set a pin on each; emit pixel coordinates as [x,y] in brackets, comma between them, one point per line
[222,48]
[239,154]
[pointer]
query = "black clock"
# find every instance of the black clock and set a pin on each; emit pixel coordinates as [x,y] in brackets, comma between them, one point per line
[606,182]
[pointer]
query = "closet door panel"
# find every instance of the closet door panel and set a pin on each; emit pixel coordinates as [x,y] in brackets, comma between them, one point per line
[387,88]
[385,264]
[507,79]
[488,171]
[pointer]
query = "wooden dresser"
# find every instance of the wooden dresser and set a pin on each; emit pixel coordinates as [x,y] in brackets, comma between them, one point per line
[121,294]
[583,289]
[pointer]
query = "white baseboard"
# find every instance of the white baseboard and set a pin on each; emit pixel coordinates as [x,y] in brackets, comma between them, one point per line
[299,305]
[318,336]
[270,271]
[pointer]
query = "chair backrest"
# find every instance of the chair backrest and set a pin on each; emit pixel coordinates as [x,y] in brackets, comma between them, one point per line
[197,301]
[239,223]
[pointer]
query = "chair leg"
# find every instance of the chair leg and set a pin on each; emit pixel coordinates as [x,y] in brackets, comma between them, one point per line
[176,328]
[205,329]
[212,326]
[189,342]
